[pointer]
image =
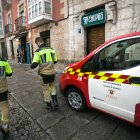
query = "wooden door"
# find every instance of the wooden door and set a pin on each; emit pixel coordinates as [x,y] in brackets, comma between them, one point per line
[95,37]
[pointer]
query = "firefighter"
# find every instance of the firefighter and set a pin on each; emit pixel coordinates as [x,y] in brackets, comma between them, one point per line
[5,71]
[46,58]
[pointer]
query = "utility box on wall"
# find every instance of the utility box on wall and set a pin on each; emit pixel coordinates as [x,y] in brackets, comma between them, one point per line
[111,11]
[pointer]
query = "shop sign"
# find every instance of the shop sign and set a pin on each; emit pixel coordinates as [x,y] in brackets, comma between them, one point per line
[94,18]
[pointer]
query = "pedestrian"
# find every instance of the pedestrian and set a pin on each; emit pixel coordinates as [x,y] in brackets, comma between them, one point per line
[46,57]
[21,56]
[5,71]
[18,56]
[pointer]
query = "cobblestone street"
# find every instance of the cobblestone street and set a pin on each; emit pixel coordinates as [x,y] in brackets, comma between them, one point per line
[30,120]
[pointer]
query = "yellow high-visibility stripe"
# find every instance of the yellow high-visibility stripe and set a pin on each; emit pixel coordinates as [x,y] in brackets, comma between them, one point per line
[115,75]
[104,78]
[78,70]
[72,72]
[118,80]
[100,73]
[80,74]
[91,76]
[88,73]
[70,69]
[135,84]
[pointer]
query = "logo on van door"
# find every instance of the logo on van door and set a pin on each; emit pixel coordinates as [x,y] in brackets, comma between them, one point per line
[111,91]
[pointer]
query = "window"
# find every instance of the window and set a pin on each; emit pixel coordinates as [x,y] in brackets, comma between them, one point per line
[40,8]
[21,10]
[36,10]
[30,13]
[29,2]
[120,55]
[33,2]
[0,28]
[33,12]
[9,19]
[47,7]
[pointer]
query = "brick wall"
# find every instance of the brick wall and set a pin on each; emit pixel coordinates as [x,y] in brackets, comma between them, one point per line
[14,12]
[57,5]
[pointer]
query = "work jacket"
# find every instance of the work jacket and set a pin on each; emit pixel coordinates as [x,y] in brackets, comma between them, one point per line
[46,58]
[5,70]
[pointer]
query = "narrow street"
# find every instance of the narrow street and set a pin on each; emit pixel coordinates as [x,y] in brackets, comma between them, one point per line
[30,120]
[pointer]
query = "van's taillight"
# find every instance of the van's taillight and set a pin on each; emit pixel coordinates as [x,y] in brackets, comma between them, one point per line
[137,114]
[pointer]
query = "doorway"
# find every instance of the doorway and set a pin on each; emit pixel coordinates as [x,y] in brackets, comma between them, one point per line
[12,49]
[45,35]
[24,47]
[95,37]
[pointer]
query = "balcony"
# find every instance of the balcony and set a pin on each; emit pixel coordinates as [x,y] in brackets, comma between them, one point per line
[8,29]
[40,12]
[20,23]
[6,4]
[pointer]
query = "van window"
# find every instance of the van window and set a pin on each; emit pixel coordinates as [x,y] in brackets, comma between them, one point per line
[120,55]
[88,66]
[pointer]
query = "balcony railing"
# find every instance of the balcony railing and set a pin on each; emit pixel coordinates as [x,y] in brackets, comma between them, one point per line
[6,4]
[8,29]
[20,23]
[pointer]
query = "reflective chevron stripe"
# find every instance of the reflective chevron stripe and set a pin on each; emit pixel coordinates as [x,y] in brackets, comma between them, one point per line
[113,77]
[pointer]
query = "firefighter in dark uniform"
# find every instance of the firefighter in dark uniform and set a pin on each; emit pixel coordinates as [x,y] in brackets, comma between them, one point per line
[45,57]
[5,70]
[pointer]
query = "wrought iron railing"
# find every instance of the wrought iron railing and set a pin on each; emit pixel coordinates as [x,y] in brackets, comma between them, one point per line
[6,4]
[8,28]
[20,23]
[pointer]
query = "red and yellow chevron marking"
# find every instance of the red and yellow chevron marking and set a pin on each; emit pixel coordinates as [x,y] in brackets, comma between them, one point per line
[118,78]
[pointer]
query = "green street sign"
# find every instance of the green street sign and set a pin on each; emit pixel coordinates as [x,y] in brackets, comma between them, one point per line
[94,18]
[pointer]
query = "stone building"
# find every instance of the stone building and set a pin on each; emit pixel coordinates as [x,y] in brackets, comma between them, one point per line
[16,29]
[74,28]
[104,19]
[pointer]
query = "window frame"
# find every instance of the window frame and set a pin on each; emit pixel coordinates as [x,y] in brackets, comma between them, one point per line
[21,10]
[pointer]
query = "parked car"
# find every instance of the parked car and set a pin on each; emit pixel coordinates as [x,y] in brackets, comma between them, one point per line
[108,79]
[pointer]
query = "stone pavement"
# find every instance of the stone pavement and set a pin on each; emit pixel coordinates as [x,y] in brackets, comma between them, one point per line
[27,108]
[31,121]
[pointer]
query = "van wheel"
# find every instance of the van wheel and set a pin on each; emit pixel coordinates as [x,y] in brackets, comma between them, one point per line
[75,99]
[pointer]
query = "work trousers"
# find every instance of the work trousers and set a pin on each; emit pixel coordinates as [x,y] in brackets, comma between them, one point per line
[4,112]
[48,87]
[4,108]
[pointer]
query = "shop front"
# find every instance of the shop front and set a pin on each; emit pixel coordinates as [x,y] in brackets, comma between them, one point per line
[94,24]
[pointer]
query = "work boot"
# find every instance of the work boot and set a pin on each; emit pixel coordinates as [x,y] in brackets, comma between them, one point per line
[54,100]
[5,134]
[49,106]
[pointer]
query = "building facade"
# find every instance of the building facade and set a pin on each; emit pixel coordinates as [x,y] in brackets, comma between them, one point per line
[73,28]
[17,29]
[91,23]
[2,48]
